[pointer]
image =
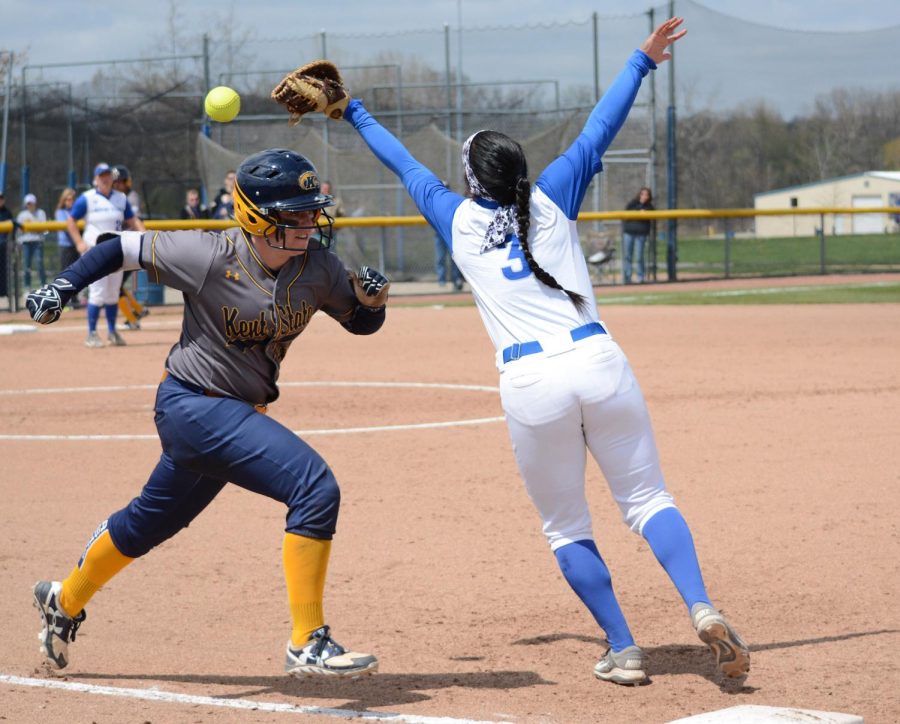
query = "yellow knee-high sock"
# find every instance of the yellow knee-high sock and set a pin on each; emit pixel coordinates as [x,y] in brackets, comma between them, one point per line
[125,309]
[101,561]
[132,300]
[305,566]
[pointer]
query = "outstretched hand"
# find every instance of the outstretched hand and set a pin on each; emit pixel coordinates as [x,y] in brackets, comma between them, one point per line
[316,86]
[661,38]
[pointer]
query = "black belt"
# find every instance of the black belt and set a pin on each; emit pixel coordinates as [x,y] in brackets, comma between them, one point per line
[521,349]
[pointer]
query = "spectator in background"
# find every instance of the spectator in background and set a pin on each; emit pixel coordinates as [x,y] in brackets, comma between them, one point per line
[68,252]
[104,210]
[443,259]
[192,208]
[223,207]
[32,241]
[635,233]
[129,306]
[5,215]
[337,208]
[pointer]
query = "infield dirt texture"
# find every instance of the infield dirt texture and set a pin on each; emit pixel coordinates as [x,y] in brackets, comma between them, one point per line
[778,431]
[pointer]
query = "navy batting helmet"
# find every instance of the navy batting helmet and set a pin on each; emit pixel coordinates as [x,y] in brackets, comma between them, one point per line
[274,181]
[122,176]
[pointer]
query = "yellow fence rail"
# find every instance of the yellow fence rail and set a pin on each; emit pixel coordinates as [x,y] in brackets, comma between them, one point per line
[363,221]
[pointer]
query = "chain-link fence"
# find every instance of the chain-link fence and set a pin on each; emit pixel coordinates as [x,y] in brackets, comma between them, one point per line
[434,86]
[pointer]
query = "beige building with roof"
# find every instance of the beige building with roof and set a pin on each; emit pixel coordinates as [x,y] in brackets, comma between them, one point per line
[870,189]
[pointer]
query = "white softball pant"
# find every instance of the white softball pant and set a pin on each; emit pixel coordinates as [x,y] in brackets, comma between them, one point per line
[106,291]
[103,291]
[558,403]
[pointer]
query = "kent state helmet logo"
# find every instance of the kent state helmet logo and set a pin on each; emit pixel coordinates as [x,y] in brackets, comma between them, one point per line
[308,181]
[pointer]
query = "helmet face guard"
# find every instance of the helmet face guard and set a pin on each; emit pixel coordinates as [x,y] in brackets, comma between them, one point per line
[275,181]
[321,236]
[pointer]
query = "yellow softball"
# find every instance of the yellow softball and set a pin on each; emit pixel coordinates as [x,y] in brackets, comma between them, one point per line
[222,104]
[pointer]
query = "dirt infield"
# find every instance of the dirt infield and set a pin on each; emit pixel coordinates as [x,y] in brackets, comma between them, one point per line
[778,429]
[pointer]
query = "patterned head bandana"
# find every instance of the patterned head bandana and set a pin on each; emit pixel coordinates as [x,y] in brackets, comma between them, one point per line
[504,220]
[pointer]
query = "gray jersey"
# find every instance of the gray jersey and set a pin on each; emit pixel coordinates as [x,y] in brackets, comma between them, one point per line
[239,316]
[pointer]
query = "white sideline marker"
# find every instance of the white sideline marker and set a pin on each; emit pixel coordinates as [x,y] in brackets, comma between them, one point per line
[247,704]
[753,714]
[17,328]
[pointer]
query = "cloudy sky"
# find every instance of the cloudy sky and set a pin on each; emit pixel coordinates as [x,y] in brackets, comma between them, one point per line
[785,52]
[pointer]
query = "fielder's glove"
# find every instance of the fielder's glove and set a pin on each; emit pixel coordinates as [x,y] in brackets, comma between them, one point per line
[316,86]
[46,304]
[371,287]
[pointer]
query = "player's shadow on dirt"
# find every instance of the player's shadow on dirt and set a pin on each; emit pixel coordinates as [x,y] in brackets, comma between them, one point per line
[675,659]
[384,690]
[361,694]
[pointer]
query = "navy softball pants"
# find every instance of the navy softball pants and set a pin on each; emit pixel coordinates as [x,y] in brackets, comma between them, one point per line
[208,442]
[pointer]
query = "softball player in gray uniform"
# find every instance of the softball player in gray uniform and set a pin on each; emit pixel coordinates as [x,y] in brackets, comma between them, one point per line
[565,385]
[248,294]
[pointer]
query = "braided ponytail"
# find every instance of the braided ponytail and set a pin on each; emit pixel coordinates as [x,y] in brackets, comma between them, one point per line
[523,218]
[499,165]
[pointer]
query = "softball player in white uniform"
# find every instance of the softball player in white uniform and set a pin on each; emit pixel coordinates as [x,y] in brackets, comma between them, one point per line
[104,210]
[565,384]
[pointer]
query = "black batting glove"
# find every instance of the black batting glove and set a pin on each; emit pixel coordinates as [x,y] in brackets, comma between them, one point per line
[371,287]
[46,304]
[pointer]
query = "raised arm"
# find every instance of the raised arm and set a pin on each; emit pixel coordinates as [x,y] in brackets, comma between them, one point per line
[566,179]
[434,200]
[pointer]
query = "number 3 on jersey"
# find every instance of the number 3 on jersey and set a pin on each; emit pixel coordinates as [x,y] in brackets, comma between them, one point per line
[518,266]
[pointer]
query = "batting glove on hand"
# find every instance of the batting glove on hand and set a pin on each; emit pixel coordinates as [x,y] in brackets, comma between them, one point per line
[46,304]
[371,287]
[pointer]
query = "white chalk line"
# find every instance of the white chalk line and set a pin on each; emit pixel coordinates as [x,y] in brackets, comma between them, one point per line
[301,433]
[82,328]
[247,704]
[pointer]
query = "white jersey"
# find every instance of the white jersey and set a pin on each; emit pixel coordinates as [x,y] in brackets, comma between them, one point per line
[101,213]
[514,305]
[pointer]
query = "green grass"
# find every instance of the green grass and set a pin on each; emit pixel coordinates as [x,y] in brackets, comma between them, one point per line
[786,256]
[872,293]
[855,293]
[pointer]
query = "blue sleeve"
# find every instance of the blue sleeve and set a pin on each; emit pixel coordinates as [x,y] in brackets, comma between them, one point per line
[96,263]
[566,179]
[129,212]
[79,208]
[434,201]
[365,320]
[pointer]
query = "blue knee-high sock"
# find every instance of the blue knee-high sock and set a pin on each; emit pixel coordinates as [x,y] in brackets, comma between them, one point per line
[112,310]
[587,574]
[93,316]
[671,542]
